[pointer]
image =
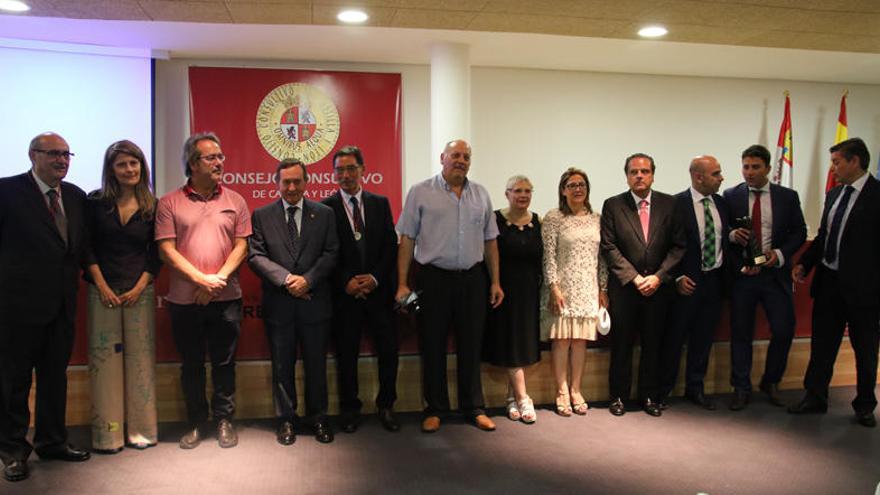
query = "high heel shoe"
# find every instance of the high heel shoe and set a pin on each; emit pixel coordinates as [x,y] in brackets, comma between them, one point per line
[527,410]
[513,411]
[578,404]
[563,405]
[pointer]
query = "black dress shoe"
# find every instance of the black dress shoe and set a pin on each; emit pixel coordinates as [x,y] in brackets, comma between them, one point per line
[866,419]
[700,399]
[349,421]
[809,405]
[663,404]
[67,453]
[389,422]
[772,392]
[616,408]
[651,408]
[740,400]
[323,433]
[16,470]
[226,435]
[285,433]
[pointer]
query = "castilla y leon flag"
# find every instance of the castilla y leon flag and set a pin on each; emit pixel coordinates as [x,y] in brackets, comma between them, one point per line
[784,151]
[840,135]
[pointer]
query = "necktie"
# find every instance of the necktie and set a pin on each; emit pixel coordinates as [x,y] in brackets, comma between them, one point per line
[708,237]
[644,218]
[836,225]
[756,218]
[292,230]
[57,214]
[356,216]
[358,221]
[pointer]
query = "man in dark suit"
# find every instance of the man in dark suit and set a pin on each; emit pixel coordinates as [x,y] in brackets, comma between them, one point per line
[777,225]
[642,242]
[363,288]
[293,250]
[844,289]
[41,252]
[699,279]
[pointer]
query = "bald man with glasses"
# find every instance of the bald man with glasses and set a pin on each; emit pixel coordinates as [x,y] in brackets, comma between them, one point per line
[42,237]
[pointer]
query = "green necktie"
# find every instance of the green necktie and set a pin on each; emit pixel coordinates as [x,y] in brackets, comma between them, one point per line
[709,238]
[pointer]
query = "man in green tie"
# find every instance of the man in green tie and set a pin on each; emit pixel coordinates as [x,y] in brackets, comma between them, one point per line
[698,280]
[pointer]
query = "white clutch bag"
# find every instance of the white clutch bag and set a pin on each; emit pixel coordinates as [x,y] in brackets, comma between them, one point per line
[604,321]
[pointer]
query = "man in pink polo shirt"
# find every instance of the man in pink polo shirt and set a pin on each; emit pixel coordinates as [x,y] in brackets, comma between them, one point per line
[202,230]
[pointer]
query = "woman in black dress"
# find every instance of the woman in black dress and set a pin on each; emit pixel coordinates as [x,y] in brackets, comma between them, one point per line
[513,331]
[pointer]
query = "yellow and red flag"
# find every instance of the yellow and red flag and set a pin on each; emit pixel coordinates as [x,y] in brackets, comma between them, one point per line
[784,149]
[840,135]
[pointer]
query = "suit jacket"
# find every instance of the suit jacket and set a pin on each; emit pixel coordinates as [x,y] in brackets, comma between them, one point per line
[380,246]
[623,244]
[39,274]
[270,256]
[789,229]
[692,261]
[859,256]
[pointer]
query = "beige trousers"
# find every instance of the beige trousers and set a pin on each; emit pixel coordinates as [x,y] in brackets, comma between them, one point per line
[122,365]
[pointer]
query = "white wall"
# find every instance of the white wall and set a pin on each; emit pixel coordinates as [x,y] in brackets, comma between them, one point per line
[538,122]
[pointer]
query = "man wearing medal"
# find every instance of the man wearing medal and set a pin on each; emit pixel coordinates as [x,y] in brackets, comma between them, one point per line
[363,289]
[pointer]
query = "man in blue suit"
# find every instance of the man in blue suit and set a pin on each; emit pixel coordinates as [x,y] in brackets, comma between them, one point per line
[698,281]
[777,225]
[845,293]
[293,250]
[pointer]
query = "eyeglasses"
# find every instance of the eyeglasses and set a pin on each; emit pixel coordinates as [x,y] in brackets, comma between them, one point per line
[56,154]
[216,157]
[576,185]
[346,169]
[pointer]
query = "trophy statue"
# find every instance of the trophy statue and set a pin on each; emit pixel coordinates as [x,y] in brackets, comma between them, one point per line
[409,305]
[753,253]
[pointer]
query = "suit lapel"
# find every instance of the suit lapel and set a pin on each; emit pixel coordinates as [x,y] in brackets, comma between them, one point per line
[306,227]
[693,224]
[859,206]
[655,218]
[633,216]
[38,204]
[278,223]
[776,206]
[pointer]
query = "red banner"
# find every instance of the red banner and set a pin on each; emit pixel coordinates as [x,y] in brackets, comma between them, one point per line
[263,116]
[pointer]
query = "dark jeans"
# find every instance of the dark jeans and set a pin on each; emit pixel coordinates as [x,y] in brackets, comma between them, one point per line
[43,349]
[747,293]
[457,299]
[215,326]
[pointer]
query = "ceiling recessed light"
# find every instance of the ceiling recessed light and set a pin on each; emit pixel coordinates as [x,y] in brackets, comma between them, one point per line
[14,6]
[652,31]
[353,16]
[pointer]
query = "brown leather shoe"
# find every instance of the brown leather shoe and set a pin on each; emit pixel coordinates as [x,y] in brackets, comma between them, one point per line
[226,435]
[431,424]
[484,423]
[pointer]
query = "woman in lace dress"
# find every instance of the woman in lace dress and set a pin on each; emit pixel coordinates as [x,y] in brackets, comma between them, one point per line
[575,279]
